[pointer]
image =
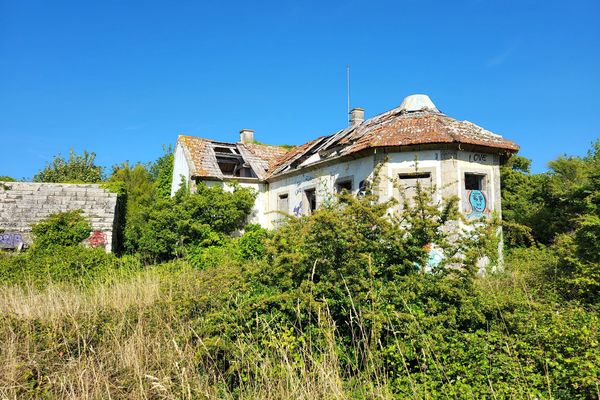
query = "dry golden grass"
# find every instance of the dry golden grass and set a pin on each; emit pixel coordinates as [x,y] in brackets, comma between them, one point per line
[123,340]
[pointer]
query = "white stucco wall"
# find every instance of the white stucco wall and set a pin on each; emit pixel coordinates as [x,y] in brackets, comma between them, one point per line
[448,177]
[180,168]
[322,180]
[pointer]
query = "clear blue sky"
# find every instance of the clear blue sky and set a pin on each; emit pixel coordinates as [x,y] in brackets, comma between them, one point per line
[121,78]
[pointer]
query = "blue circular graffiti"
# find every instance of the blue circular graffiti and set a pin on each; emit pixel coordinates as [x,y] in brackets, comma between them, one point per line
[477,200]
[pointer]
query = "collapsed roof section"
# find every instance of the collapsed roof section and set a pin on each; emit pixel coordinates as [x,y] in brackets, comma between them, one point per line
[221,160]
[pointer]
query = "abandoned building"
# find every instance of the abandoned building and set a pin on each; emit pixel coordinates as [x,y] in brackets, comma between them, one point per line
[414,142]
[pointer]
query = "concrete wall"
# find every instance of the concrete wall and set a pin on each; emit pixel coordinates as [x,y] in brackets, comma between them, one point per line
[322,179]
[447,169]
[22,204]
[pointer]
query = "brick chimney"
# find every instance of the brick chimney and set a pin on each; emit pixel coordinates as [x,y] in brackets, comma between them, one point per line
[246,136]
[357,116]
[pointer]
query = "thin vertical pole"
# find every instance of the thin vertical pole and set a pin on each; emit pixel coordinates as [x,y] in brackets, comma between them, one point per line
[348,89]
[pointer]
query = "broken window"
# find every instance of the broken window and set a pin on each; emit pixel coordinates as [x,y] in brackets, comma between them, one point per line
[231,162]
[411,179]
[310,198]
[283,204]
[474,181]
[343,185]
[362,188]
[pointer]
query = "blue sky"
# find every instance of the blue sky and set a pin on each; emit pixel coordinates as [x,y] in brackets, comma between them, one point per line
[121,78]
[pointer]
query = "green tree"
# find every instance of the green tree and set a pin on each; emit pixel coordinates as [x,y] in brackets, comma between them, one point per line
[5,178]
[76,169]
[162,172]
[168,225]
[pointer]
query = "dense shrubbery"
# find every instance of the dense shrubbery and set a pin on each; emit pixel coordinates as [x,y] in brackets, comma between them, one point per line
[63,229]
[59,255]
[559,209]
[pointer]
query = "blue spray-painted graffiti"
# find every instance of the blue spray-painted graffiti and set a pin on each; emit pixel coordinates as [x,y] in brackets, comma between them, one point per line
[10,239]
[298,210]
[478,203]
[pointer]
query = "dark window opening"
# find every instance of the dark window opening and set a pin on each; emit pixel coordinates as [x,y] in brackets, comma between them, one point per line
[311,200]
[362,188]
[415,175]
[227,168]
[411,179]
[345,185]
[474,181]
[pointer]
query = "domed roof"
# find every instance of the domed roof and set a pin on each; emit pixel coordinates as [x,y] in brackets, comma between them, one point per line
[417,102]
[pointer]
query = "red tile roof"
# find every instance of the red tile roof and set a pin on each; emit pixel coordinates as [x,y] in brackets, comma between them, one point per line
[394,128]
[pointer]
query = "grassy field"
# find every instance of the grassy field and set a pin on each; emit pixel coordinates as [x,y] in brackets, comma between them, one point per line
[165,332]
[132,339]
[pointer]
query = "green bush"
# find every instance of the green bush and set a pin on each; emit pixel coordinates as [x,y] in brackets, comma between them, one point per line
[170,225]
[68,228]
[75,264]
[252,244]
[77,169]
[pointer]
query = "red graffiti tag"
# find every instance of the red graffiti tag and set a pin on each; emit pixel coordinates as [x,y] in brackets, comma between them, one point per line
[97,239]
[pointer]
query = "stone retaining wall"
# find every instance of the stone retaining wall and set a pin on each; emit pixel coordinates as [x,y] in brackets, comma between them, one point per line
[22,204]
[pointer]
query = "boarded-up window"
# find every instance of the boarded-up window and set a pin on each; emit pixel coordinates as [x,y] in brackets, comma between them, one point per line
[283,204]
[411,180]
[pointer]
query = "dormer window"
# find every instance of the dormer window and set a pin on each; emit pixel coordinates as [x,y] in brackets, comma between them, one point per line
[231,162]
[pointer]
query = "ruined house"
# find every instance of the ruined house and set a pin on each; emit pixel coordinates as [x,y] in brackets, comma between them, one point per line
[414,142]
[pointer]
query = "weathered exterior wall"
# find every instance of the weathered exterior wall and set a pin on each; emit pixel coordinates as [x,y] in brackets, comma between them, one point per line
[447,169]
[180,169]
[22,204]
[323,180]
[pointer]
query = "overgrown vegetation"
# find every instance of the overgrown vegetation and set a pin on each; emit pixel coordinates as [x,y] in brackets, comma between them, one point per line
[558,211]
[77,169]
[340,304]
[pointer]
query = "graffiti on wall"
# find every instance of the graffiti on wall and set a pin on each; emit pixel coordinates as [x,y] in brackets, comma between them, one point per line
[476,204]
[10,240]
[97,239]
[298,210]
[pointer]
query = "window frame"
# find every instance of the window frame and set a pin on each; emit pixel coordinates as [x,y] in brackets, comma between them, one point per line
[280,196]
[306,201]
[343,180]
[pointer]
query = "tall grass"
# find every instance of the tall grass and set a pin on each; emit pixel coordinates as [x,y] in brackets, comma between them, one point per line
[151,335]
[124,340]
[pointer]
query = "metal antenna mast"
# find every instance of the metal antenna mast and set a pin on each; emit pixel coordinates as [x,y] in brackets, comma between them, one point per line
[348,88]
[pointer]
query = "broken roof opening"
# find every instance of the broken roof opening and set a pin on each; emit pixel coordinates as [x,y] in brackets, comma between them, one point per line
[231,162]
